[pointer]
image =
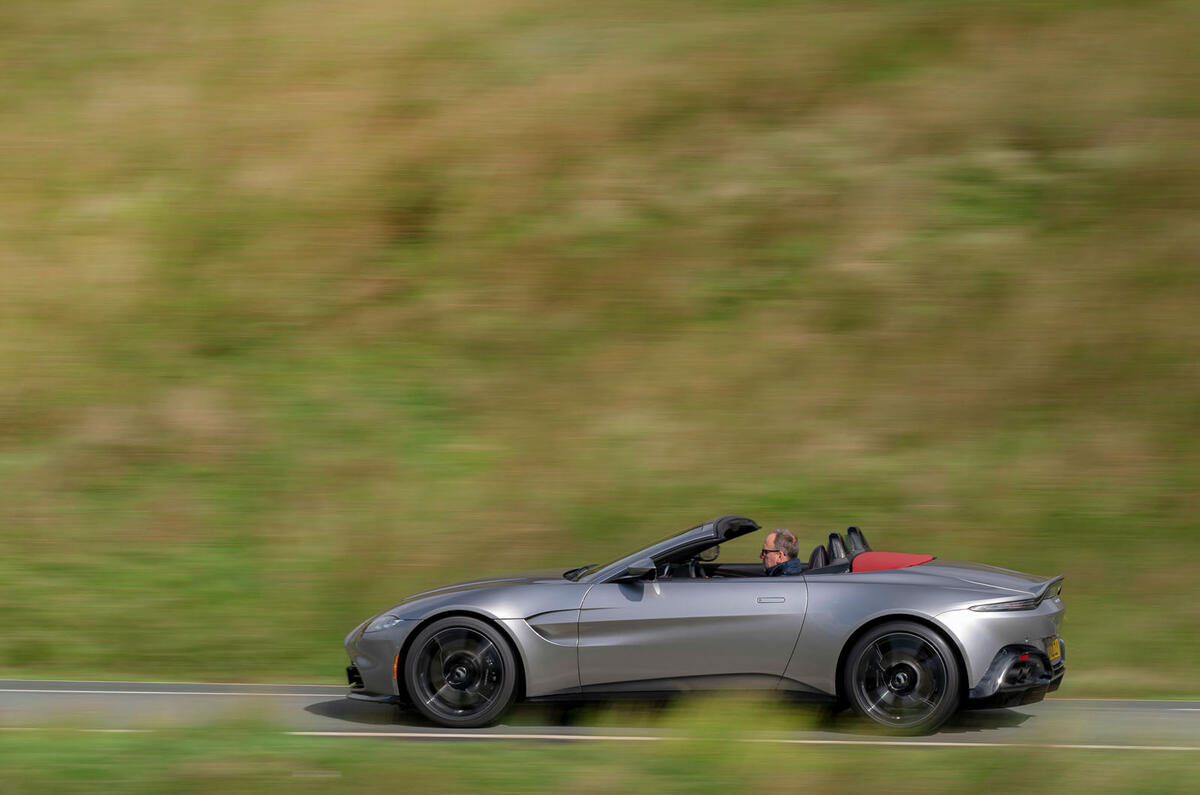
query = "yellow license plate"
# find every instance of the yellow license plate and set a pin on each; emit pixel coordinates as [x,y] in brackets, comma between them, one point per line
[1053,649]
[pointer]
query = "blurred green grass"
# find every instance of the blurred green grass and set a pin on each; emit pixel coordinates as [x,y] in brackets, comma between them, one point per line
[710,746]
[306,308]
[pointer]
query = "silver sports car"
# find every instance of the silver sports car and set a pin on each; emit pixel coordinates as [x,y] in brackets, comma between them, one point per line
[903,639]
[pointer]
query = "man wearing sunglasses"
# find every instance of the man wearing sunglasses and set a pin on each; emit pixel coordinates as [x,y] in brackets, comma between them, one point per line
[779,554]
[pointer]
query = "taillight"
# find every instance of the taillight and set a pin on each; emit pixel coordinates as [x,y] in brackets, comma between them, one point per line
[1051,591]
[1003,607]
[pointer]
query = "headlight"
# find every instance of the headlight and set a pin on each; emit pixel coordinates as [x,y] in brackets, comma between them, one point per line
[385,621]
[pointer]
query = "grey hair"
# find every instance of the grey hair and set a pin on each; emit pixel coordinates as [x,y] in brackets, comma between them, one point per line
[786,543]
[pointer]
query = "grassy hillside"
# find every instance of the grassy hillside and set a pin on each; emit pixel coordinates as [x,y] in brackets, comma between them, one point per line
[308,305]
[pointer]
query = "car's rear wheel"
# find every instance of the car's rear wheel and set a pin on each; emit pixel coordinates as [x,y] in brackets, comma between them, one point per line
[903,677]
[460,672]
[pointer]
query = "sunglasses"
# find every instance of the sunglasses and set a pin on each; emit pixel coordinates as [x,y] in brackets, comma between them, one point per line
[766,552]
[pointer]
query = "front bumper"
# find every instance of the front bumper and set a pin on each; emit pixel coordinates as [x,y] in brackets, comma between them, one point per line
[358,690]
[371,672]
[1019,674]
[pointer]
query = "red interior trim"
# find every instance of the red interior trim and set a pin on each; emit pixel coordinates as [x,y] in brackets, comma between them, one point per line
[882,561]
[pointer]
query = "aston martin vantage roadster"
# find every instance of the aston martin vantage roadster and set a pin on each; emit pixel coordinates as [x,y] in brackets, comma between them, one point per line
[905,640]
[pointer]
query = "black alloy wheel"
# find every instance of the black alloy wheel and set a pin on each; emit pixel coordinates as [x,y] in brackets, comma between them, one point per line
[460,673]
[903,677]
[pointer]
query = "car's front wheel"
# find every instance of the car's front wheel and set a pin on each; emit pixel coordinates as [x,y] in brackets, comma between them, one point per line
[903,677]
[460,673]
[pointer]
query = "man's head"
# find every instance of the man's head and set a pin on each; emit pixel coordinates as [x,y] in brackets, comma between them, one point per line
[779,546]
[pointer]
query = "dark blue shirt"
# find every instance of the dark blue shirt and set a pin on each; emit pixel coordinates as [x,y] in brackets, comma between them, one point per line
[788,567]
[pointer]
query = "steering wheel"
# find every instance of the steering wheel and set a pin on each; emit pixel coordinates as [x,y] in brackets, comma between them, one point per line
[678,571]
[697,570]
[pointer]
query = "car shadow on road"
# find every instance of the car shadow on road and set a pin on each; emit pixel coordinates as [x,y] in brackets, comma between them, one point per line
[960,723]
[368,713]
[983,720]
[364,713]
[361,712]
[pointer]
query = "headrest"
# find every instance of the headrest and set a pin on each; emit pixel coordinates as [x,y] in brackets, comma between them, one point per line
[837,548]
[818,559]
[856,540]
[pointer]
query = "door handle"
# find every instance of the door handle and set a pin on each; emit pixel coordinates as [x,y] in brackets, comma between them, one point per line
[763,600]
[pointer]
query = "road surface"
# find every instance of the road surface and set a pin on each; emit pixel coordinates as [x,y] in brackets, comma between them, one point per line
[27,705]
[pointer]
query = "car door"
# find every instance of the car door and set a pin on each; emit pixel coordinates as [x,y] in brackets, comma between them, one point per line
[689,632]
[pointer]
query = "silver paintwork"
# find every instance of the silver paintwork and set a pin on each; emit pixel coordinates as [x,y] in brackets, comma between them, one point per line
[602,635]
[728,633]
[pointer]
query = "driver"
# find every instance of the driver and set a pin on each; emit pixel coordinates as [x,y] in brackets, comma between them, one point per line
[779,554]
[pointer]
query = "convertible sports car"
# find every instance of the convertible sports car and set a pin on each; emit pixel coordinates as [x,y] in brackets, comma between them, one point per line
[903,639]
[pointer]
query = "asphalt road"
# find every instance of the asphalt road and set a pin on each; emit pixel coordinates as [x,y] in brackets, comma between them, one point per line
[26,705]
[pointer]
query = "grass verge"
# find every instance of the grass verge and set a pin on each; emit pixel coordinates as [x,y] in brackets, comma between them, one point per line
[708,754]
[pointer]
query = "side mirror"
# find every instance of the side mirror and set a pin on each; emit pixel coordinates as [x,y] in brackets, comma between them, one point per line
[643,569]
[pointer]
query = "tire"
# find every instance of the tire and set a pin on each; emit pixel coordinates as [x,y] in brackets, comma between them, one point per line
[903,677]
[460,672]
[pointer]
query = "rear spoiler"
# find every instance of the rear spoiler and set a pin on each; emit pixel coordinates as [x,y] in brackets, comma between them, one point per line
[1050,587]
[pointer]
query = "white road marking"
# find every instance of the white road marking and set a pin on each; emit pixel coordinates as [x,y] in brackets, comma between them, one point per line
[784,740]
[482,736]
[1049,699]
[1056,699]
[652,738]
[137,682]
[1060,746]
[164,692]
